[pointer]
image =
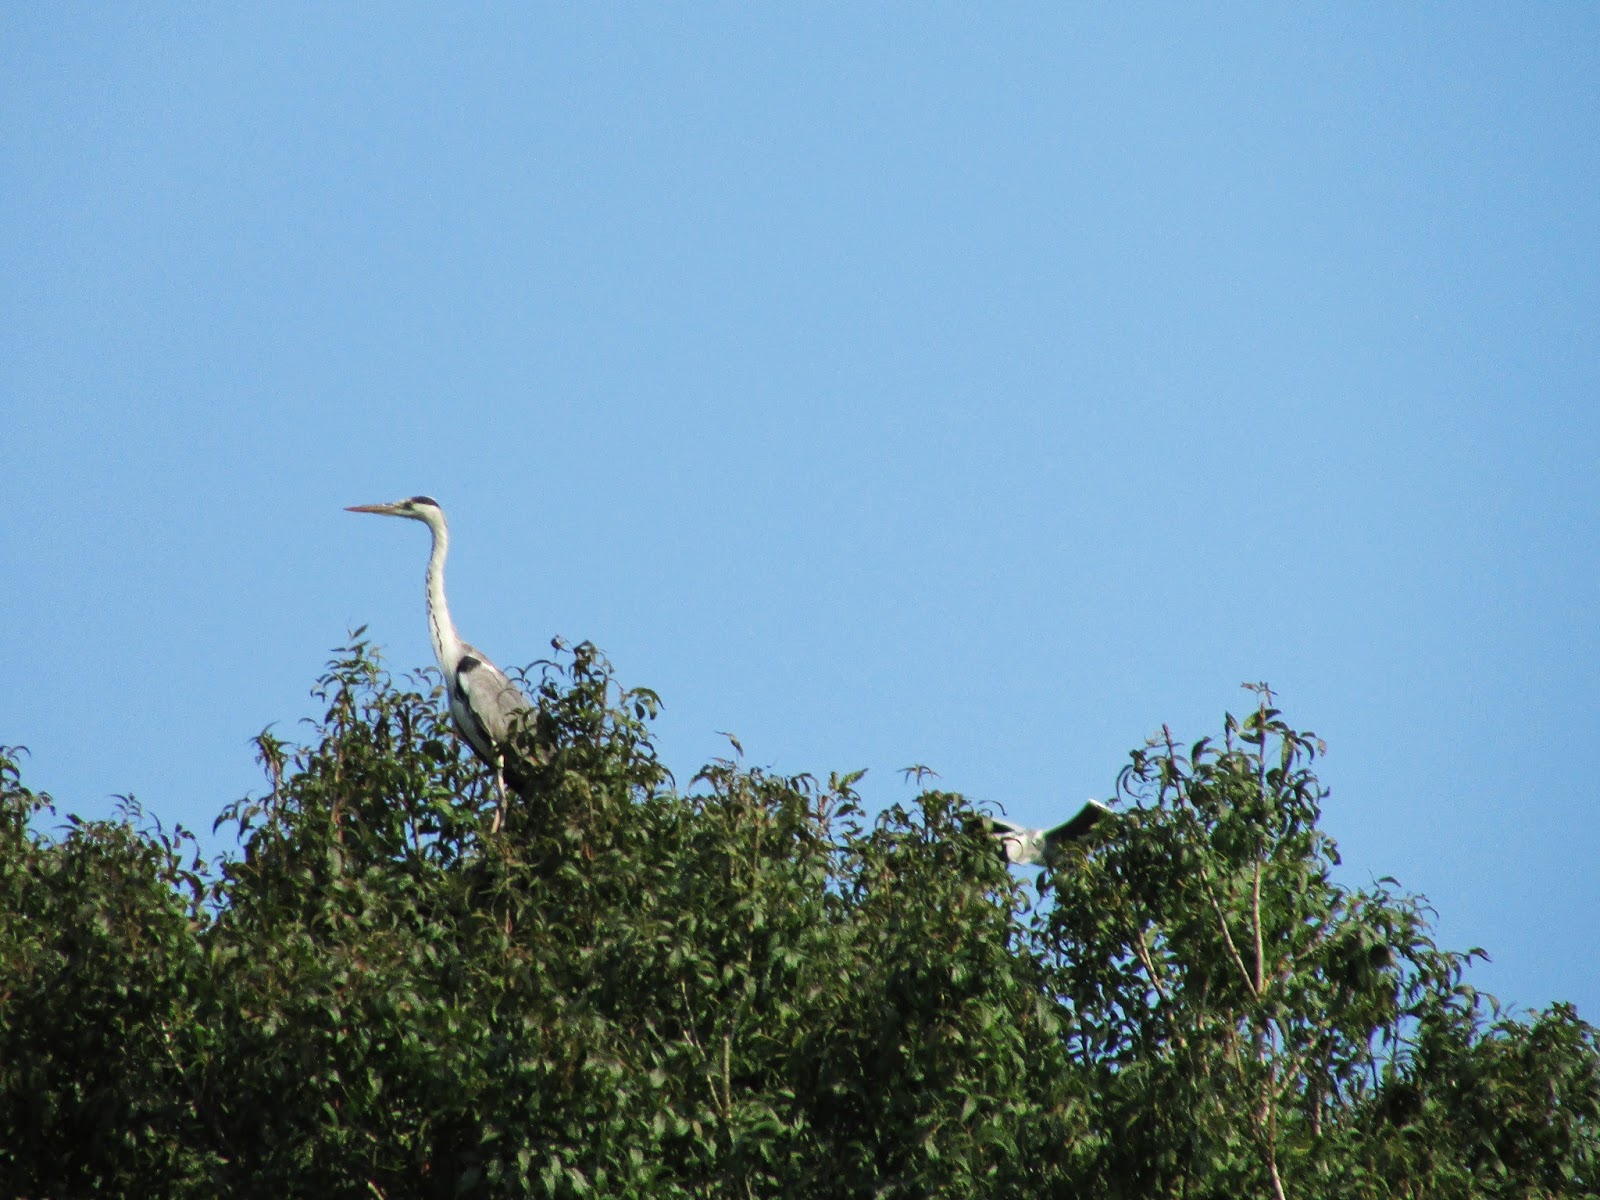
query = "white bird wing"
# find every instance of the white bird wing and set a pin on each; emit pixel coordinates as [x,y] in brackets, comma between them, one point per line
[488,708]
[1022,847]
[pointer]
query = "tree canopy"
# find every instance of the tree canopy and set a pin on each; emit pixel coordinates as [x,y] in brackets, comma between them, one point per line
[745,986]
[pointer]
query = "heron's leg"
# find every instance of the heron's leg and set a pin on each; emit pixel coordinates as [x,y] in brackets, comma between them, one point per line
[500,808]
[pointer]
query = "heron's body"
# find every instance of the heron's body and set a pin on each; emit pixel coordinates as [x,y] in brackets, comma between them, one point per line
[1041,847]
[486,706]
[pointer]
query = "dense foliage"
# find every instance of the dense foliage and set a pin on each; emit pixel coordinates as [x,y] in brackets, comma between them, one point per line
[745,988]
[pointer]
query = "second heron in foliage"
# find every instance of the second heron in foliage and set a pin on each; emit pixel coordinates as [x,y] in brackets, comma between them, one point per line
[487,707]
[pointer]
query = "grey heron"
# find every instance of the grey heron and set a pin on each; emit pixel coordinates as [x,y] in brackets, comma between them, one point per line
[488,709]
[1038,847]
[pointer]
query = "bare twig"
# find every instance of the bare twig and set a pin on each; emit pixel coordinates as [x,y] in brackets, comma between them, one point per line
[1227,938]
[1255,909]
[1142,949]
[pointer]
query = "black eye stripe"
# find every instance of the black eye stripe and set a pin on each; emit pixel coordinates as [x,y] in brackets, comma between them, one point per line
[423,500]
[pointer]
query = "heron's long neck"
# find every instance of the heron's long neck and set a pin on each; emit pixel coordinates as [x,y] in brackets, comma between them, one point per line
[446,643]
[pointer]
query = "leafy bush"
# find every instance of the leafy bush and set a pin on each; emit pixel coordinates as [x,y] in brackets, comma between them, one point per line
[744,988]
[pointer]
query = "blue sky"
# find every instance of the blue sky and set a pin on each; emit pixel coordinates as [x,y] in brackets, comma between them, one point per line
[906,384]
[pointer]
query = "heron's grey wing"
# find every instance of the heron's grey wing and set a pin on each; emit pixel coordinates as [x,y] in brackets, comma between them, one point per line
[1085,819]
[487,706]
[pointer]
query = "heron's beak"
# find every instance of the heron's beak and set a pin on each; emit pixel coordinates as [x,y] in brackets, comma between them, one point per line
[387,510]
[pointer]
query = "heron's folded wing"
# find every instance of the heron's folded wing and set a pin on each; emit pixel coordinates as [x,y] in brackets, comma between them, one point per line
[487,703]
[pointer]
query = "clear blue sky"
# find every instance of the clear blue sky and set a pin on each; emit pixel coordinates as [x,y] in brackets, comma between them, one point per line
[975,386]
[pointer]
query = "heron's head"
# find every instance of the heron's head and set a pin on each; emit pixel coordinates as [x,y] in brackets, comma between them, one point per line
[418,508]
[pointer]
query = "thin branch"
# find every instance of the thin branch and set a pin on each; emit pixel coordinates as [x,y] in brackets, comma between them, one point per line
[705,1058]
[1227,938]
[1142,949]
[1255,907]
[1272,1154]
